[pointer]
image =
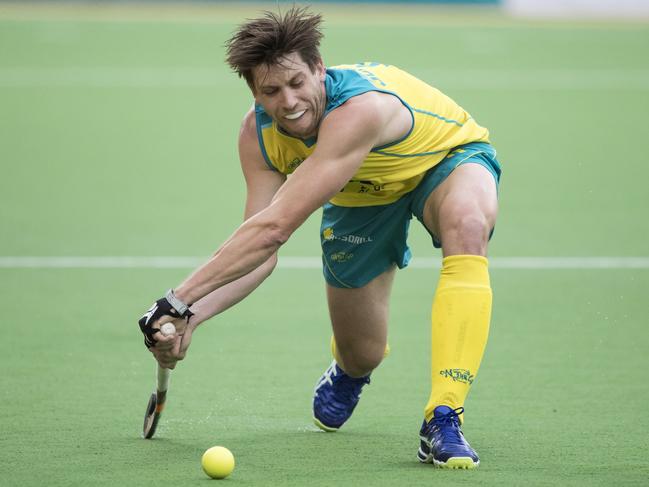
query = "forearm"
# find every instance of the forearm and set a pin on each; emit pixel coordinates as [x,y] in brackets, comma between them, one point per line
[227,296]
[249,247]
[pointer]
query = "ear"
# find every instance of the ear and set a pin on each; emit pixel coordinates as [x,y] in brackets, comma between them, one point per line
[321,70]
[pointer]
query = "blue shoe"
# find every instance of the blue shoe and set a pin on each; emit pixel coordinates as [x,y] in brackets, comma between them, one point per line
[442,442]
[335,397]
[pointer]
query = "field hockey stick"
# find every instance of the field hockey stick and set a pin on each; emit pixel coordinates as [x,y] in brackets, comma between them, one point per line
[159,396]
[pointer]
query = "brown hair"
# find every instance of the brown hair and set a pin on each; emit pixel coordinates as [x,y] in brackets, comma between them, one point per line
[268,39]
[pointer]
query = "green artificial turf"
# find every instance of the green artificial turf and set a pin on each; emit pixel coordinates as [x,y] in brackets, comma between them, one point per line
[118,138]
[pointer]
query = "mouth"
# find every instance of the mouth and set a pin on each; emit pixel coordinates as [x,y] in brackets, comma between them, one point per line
[294,115]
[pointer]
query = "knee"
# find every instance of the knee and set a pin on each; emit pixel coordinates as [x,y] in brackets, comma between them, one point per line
[468,233]
[360,361]
[473,226]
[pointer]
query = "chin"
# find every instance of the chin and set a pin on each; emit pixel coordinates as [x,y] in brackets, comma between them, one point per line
[303,134]
[303,129]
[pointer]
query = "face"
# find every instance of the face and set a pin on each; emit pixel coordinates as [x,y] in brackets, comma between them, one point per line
[292,94]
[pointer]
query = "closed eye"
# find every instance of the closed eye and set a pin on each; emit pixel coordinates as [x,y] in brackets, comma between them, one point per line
[270,91]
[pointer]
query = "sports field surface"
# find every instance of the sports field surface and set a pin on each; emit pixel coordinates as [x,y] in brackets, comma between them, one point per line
[118,130]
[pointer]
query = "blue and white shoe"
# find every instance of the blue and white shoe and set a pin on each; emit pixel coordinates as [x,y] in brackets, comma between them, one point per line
[442,442]
[335,397]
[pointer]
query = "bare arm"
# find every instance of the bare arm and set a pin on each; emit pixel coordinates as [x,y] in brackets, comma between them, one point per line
[345,138]
[261,183]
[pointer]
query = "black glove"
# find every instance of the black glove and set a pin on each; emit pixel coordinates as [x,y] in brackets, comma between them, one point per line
[170,305]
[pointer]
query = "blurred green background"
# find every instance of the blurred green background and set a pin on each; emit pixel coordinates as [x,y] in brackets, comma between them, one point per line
[118,138]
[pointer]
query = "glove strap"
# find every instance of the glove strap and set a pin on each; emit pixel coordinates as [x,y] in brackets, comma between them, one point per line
[176,303]
[170,305]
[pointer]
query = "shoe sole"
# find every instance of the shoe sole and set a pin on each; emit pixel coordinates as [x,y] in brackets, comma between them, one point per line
[457,463]
[324,427]
[454,463]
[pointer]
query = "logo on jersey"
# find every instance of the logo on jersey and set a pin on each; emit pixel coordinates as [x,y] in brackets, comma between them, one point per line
[458,375]
[292,166]
[328,235]
[341,257]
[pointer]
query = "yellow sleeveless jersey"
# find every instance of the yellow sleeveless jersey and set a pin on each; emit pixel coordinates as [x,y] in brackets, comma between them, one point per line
[392,170]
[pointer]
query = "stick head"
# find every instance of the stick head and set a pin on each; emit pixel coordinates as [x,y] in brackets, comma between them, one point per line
[150,418]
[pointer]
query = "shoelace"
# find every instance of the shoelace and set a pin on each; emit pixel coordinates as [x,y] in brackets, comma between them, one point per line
[327,377]
[449,425]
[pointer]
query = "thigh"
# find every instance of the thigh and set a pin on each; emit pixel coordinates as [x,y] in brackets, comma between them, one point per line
[461,212]
[467,177]
[359,316]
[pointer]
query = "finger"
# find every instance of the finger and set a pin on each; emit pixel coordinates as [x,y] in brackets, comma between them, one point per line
[168,364]
[157,354]
[162,320]
[167,353]
[156,325]
[164,342]
[165,360]
[181,325]
[162,354]
[185,342]
[175,351]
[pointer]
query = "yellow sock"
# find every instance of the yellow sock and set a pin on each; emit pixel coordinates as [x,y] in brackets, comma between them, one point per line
[461,315]
[334,351]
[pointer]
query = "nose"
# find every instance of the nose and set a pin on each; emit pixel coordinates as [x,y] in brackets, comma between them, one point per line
[290,100]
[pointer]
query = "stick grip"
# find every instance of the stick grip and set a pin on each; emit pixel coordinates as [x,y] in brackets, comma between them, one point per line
[163,374]
[163,379]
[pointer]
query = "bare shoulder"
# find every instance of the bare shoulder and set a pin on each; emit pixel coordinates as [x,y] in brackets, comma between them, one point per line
[376,103]
[248,131]
[249,150]
[363,109]
[250,155]
[381,113]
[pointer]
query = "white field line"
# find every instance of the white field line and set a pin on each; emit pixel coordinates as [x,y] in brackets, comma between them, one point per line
[106,76]
[9,262]
[184,76]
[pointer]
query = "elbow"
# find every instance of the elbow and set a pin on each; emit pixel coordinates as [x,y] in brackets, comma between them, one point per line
[273,243]
[271,229]
[276,234]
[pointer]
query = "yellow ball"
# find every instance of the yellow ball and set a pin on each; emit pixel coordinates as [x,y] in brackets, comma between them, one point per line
[218,462]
